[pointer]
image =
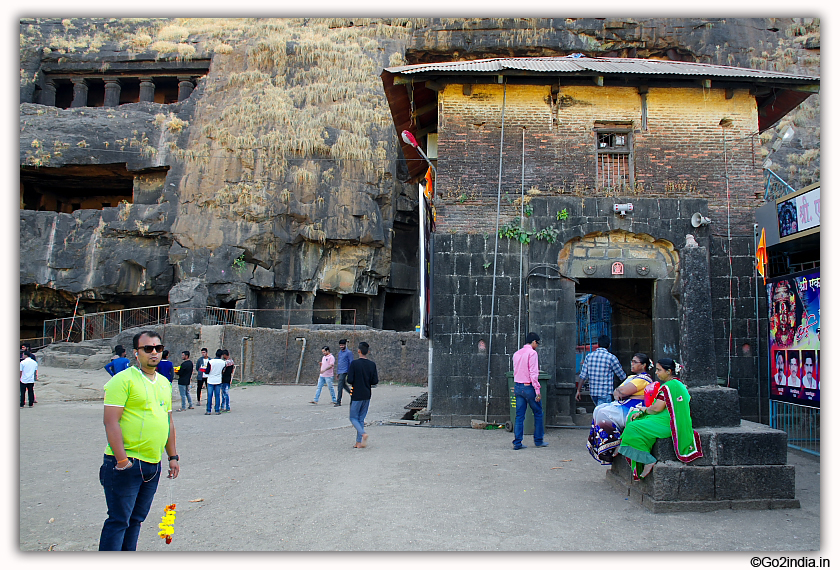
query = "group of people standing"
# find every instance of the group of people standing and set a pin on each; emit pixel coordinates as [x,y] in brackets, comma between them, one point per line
[627,420]
[216,373]
[356,376]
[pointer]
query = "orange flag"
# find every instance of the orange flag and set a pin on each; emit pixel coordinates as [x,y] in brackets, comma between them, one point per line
[430,188]
[761,256]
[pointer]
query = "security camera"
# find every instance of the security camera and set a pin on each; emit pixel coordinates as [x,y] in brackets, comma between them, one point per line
[622,209]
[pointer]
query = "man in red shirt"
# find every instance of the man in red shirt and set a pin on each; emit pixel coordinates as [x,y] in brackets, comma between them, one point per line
[526,388]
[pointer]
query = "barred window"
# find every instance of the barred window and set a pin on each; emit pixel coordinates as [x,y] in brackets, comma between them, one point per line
[614,154]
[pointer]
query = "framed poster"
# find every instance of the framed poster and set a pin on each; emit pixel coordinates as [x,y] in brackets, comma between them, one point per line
[793,305]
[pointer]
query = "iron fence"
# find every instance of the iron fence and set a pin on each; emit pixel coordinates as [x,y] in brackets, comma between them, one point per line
[104,325]
[220,316]
[801,423]
[36,343]
[775,187]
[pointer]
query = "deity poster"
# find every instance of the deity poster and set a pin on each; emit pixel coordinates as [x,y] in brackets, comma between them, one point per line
[794,317]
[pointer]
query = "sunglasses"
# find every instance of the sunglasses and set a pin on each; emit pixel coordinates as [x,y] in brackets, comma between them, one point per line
[150,348]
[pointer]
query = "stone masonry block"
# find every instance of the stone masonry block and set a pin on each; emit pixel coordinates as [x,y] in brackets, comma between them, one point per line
[755,482]
[714,406]
[750,444]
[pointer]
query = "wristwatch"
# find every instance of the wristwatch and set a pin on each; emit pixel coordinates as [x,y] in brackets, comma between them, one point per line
[174,458]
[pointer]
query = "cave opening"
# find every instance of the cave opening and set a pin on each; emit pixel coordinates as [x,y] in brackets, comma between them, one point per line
[84,187]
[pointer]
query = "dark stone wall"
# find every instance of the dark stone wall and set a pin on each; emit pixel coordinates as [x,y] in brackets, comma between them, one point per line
[463,289]
[272,356]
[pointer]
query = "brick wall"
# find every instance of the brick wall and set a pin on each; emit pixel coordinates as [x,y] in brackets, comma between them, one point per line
[681,154]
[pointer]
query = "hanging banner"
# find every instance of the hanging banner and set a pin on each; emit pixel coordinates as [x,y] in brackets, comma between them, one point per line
[793,305]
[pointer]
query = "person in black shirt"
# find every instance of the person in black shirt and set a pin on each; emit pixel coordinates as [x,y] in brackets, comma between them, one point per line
[361,376]
[185,371]
[227,374]
[201,378]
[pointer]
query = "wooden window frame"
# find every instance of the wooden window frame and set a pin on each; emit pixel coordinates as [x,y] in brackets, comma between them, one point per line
[627,151]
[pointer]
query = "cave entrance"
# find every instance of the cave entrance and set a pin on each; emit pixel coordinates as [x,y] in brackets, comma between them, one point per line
[361,304]
[324,308]
[399,312]
[73,188]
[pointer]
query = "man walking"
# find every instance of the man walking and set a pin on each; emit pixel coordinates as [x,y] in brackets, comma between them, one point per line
[214,368]
[345,357]
[326,375]
[185,371]
[118,362]
[200,375]
[361,375]
[599,367]
[227,375]
[28,376]
[526,388]
[138,423]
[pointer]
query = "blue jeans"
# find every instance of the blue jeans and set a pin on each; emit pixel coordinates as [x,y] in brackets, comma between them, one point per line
[358,412]
[527,396]
[129,496]
[225,396]
[213,390]
[329,382]
[185,395]
[602,399]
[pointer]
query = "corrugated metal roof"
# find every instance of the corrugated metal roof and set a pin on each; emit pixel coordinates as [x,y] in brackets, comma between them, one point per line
[604,65]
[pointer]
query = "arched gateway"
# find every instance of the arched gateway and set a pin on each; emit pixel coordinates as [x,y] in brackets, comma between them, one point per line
[637,274]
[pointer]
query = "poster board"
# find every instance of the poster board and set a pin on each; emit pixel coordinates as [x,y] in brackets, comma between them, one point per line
[793,303]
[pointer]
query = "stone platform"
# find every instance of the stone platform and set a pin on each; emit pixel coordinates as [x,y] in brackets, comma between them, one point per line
[743,467]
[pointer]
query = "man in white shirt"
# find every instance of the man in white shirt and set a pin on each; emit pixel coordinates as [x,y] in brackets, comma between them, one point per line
[793,364]
[808,381]
[214,382]
[28,375]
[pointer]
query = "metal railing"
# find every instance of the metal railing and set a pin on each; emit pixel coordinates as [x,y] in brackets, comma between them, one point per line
[775,187]
[220,316]
[104,325]
[801,423]
[36,343]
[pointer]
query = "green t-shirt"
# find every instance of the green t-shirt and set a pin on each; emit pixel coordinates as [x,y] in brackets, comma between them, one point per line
[145,418]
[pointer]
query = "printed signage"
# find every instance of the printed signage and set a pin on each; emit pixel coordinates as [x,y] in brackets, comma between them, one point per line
[799,214]
[794,317]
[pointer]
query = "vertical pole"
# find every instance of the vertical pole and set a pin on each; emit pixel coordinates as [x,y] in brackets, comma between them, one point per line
[758,334]
[495,256]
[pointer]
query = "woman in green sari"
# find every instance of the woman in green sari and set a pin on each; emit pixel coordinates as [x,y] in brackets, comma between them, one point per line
[668,416]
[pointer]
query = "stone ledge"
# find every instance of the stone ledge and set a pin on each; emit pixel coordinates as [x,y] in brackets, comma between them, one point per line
[749,443]
[637,496]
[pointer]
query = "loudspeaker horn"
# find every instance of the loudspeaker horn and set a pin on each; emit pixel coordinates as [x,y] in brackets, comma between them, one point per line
[698,220]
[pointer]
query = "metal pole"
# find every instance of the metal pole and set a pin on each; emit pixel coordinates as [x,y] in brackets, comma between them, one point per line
[521,245]
[758,334]
[495,256]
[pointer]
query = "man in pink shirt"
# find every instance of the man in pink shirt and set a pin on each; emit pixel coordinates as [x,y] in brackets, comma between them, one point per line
[326,376]
[526,388]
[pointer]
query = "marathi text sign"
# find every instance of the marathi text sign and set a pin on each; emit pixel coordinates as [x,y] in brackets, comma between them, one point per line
[799,213]
[794,318]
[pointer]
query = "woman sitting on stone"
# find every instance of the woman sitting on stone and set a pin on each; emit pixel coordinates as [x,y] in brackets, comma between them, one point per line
[608,419]
[669,415]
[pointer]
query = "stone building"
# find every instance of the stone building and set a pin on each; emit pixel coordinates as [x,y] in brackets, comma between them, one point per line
[636,180]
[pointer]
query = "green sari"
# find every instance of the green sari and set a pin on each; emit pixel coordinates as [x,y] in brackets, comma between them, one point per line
[643,429]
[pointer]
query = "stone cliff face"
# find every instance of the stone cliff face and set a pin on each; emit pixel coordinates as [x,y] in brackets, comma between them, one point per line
[278,182]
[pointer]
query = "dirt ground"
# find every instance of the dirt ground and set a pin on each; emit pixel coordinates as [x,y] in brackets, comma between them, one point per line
[280,474]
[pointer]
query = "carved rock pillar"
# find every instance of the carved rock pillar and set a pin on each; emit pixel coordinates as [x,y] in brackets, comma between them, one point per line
[185,88]
[80,92]
[112,92]
[147,90]
[48,93]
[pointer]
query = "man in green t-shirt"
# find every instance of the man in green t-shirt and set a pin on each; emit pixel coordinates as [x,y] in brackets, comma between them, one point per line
[138,425]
